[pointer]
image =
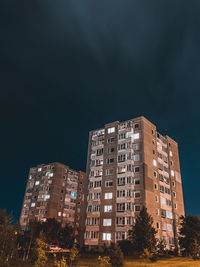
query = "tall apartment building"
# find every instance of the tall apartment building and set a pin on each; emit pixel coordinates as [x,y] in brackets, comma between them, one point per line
[55,190]
[131,165]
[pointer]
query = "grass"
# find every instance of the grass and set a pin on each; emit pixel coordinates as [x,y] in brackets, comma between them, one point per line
[173,261]
[91,261]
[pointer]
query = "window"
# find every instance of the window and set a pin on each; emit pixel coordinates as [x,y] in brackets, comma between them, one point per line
[169,214]
[172,173]
[157,212]
[111,150]
[120,235]
[121,193]
[108,208]
[154,162]
[137,169]
[136,157]
[110,161]
[107,222]
[111,140]
[59,213]
[106,236]
[108,183]
[137,194]
[155,174]
[120,207]
[111,130]
[122,136]
[108,195]
[136,136]
[32,204]
[121,181]
[156,186]
[173,183]
[136,125]
[170,153]
[109,171]
[174,194]
[39,169]
[37,183]
[175,206]
[122,158]
[158,225]
[157,199]
[154,152]
[137,208]
[152,131]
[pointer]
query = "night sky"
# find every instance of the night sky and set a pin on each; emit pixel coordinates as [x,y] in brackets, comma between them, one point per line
[67,67]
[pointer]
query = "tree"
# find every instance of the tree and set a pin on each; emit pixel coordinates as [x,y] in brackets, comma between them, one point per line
[115,254]
[104,261]
[189,239]
[142,234]
[41,247]
[8,236]
[161,248]
[126,247]
[57,235]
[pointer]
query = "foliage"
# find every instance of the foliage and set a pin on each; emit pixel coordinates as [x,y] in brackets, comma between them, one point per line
[161,248]
[189,239]
[115,254]
[104,261]
[148,255]
[56,234]
[8,237]
[142,234]
[126,247]
[41,248]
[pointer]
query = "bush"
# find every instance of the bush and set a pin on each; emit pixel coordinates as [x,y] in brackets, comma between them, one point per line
[116,255]
[126,247]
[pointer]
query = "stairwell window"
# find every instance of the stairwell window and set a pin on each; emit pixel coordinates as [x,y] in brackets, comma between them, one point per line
[111,130]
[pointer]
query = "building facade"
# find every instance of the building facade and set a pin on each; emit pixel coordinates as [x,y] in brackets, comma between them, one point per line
[131,165]
[55,190]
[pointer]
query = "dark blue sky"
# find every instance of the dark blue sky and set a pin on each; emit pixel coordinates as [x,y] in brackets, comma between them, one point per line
[67,67]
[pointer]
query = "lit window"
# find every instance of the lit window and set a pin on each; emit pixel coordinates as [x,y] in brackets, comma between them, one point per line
[136,157]
[108,195]
[154,162]
[32,204]
[108,208]
[111,130]
[59,213]
[170,153]
[46,196]
[157,212]
[172,173]
[106,236]
[37,183]
[136,136]
[107,222]
[39,169]
[30,177]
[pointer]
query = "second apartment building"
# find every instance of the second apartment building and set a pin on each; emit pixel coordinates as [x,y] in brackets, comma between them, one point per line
[55,190]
